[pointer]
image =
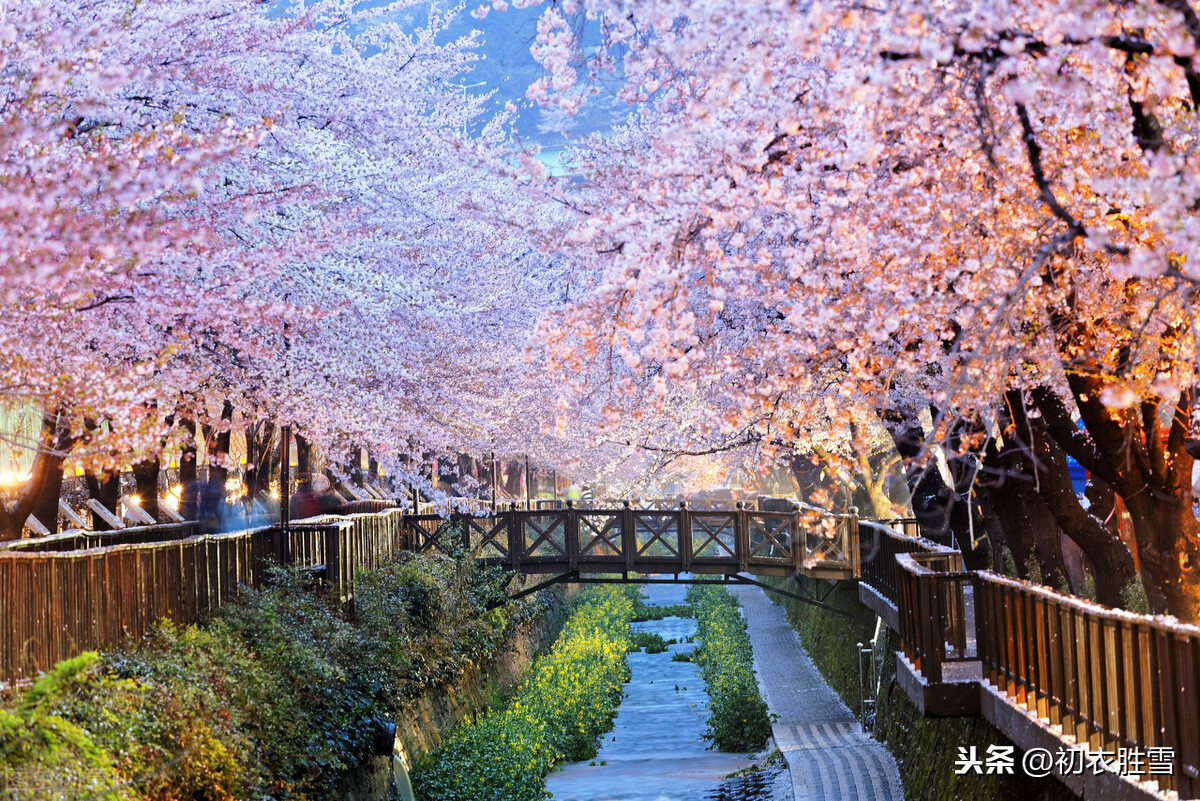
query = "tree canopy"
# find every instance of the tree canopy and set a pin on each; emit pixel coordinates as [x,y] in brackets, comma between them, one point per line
[936,233]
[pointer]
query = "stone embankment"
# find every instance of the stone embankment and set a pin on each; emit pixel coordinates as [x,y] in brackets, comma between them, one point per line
[424,721]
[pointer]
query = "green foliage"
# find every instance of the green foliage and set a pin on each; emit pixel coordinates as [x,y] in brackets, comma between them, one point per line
[1009,563]
[1133,596]
[1088,588]
[270,700]
[45,755]
[738,718]
[1063,585]
[648,641]
[643,611]
[1033,568]
[568,700]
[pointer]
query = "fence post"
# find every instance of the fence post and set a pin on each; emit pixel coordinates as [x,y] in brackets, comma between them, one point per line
[628,534]
[929,633]
[571,532]
[799,545]
[516,543]
[684,536]
[851,543]
[333,558]
[285,505]
[741,536]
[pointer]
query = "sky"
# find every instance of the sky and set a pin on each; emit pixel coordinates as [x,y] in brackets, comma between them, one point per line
[507,68]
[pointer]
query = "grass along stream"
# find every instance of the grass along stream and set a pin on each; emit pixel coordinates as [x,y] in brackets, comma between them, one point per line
[656,750]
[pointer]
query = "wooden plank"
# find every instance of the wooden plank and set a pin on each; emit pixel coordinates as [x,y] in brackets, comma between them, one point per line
[8,625]
[168,510]
[134,510]
[37,527]
[72,516]
[1079,632]
[1054,642]
[1185,661]
[104,514]
[1043,681]
[1096,694]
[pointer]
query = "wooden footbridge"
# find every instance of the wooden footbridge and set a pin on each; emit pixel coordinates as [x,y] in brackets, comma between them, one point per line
[1049,670]
[624,539]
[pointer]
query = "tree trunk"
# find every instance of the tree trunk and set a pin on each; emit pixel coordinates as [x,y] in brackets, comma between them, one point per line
[1026,525]
[1151,471]
[873,487]
[46,507]
[943,512]
[262,457]
[1112,562]
[187,474]
[218,446]
[303,456]
[45,479]
[356,471]
[512,479]
[145,476]
[816,486]
[107,490]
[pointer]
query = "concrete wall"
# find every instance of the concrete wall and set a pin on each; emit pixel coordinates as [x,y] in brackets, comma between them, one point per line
[423,721]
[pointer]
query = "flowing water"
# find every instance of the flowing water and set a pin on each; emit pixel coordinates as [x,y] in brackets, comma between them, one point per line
[656,750]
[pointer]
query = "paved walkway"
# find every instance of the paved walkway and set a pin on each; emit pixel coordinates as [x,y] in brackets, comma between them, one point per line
[830,757]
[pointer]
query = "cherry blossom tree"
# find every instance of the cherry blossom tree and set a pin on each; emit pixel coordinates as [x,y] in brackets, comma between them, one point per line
[940,203]
[275,210]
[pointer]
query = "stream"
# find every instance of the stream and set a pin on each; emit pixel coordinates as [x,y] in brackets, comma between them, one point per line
[656,750]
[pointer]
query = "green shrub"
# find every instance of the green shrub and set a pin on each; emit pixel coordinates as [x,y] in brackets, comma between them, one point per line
[643,611]
[568,700]
[648,641]
[43,754]
[271,700]
[738,718]
[1133,596]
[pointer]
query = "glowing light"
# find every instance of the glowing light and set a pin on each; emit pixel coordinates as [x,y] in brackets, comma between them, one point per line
[135,500]
[13,478]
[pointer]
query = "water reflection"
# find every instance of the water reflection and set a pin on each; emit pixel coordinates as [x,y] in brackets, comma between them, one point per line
[656,750]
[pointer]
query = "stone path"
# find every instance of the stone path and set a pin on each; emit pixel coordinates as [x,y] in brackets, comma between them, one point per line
[829,755]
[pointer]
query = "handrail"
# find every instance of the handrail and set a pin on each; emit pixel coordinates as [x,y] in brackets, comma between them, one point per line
[1106,678]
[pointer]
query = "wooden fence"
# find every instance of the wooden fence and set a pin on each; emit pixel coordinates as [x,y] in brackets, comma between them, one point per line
[79,540]
[1114,681]
[55,604]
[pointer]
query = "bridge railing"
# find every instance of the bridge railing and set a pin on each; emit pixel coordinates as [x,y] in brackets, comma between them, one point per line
[936,612]
[629,538]
[1109,678]
[880,543]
